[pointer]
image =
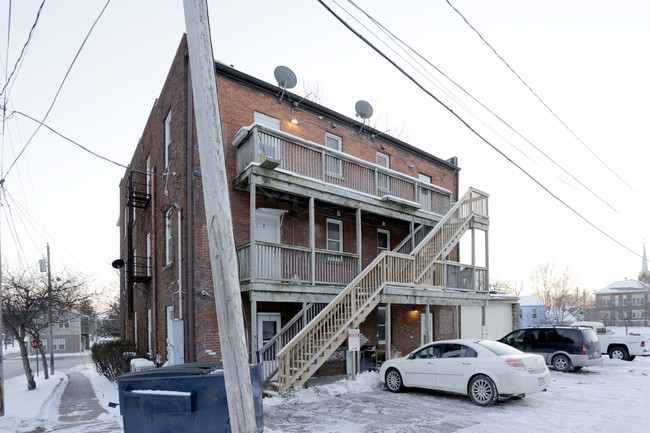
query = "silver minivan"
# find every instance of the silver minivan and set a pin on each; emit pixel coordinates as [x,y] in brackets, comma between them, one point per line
[563,347]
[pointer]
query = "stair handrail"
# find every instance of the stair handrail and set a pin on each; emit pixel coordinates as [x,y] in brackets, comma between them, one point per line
[463,209]
[308,312]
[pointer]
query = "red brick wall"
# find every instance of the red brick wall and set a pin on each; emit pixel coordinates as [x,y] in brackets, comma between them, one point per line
[238,102]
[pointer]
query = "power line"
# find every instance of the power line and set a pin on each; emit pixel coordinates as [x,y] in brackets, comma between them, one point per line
[22,52]
[59,89]
[85,148]
[404,46]
[544,103]
[469,127]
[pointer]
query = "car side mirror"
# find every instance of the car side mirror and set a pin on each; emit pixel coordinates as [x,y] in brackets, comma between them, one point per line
[411,356]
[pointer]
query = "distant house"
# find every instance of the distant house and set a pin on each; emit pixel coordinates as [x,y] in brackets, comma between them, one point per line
[623,302]
[70,335]
[532,311]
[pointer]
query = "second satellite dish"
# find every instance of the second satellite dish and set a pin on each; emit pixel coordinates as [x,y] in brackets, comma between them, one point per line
[363,109]
[286,79]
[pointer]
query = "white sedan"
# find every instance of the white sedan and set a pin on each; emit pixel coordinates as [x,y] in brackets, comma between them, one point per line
[483,369]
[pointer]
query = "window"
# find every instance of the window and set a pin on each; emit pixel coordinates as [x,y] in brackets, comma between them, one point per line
[428,352]
[625,300]
[334,235]
[458,351]
[381,324]
[637,299]
[59,344]
[148,264]
[383,240]
[168,139]
[534,313]
[148,176]
[616,301]
[65,325]
[383,179]
[168,237]
[425,193]
[334,165]
[268,121]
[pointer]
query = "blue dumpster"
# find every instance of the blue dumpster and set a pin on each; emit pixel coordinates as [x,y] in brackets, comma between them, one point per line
[181,398]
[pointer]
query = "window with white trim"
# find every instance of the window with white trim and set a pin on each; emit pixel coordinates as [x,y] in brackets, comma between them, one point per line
[168,237]
[383,179]
[381,324]
[425,193]
[334,165]
[264,120]
[59,344]
[334,235]
[148,263]
[65,324]
[383,240]
[149,175]
[168,139]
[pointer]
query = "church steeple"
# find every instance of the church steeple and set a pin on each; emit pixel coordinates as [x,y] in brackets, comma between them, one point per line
[644,275]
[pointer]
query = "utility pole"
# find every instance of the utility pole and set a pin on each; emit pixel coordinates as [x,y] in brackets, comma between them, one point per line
[42,266]
[2,329]
[219,220]
[50,346]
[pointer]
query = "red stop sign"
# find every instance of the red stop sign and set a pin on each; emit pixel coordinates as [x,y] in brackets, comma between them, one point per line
[36,344]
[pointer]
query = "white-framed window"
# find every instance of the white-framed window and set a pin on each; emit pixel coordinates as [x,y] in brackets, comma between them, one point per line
[168,237]
[148,264]
[381,324]
[383,160]
[59,344]
[126,220]
[168,139]
[383,179]
[616,301]
[334,235]
[624,314]
[534,313]
[383,241]
[65,324]
[268,121]
[334,165]
[425,193]
[148,175]
[625,300]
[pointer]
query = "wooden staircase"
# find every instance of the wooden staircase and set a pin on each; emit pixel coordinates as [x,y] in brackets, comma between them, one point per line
[299,359]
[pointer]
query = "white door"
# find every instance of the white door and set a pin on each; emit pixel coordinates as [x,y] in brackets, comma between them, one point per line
[268,324]
[498,320]
[175,339]
[423,329]
[471,322]
[269,258]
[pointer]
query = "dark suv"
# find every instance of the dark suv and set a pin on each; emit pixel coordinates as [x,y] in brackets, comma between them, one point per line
[564,347]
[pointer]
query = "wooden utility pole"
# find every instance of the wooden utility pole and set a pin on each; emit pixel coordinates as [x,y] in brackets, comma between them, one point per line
[219,220]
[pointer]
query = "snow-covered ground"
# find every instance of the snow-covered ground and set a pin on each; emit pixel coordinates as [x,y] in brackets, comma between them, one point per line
[612,396]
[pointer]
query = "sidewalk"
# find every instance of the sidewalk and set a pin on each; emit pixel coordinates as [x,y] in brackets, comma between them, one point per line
[80,410]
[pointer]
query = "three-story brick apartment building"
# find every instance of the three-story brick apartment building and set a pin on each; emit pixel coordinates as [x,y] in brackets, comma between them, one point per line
[336,227]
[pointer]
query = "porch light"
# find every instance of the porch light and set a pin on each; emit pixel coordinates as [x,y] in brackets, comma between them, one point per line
[293,116]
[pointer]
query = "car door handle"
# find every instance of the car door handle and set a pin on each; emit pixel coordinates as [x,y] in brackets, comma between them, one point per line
[465,363]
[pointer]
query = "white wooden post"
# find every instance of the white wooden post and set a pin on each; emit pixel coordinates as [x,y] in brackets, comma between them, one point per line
[359,250]
[312,240]
[252,253]
[388,331]
[219,220]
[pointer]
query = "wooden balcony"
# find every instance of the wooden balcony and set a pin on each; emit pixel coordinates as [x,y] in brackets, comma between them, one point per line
[296,265]
[285,152]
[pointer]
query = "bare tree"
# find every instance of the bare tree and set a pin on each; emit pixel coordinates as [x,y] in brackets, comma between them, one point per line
[25,307]
[510,288]
[555,288]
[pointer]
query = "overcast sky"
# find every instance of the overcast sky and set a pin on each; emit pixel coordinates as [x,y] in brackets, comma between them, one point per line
[584,204]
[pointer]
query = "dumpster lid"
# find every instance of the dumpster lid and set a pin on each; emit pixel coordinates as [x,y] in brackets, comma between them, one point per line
[189,369]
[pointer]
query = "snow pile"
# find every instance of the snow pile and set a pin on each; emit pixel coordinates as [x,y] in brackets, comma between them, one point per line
[25,410]
[365,382]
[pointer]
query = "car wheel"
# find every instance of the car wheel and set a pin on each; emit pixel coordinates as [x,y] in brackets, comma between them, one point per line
[483,391]
[561,363]
[618,353]
[631,357]
[394,380]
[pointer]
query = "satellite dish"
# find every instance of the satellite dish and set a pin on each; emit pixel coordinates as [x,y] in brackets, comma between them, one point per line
[363,109]
[286,79]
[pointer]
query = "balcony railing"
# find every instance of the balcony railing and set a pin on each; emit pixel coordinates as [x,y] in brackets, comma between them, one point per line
[257,144]
[285,263]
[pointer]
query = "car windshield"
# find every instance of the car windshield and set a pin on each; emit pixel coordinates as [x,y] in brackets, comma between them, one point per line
[499,349]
